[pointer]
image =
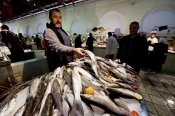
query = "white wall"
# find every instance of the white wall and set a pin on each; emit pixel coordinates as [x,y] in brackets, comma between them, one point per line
[113,14]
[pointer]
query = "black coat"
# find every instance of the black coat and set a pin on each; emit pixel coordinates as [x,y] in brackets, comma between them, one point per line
[133,51]
[89,43]
[78,42]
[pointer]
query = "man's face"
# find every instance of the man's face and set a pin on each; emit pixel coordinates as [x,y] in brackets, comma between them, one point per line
[153,35]
[56,19]
[133,28]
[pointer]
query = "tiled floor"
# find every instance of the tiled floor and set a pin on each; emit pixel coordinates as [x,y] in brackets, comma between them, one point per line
[158,91]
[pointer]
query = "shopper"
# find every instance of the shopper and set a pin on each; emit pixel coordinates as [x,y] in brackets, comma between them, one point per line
[133,48]
[89,42]
[13,43]
[152,40]
[38,42]
[59,50]
[158,55]
[23,40]
[78,41]
[111,47]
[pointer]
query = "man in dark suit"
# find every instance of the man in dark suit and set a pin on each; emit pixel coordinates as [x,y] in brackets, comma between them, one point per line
[133,48]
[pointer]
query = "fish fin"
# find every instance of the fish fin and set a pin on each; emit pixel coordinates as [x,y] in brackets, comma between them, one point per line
[77,107]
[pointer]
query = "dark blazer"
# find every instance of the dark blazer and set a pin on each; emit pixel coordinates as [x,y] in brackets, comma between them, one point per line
[89,43]
[78,42]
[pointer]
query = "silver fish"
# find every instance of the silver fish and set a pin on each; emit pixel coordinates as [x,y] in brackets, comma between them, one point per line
[119,103]
[107,103]
[94,63]
[87,110]
[122,91]
[8,108]
[57,97]
[33,87]
[77,88]
[65,105]
[68,78]
[20,110]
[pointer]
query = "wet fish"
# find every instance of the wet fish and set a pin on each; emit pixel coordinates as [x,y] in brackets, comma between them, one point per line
[38,98]
[107,103]
[57,97]
[33,87]
[94,63]
[68,79]
[65,105]
[87,110]
[48,90]
[29,106]
[70,99]
[8,108]
[119,103]
[48,106]
[123,91]
[20,110]
[56,71]
[77,88]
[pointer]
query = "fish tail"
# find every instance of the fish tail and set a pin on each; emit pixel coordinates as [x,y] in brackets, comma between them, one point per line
[77,108]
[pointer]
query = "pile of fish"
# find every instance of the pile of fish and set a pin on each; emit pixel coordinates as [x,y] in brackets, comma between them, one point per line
[90,86]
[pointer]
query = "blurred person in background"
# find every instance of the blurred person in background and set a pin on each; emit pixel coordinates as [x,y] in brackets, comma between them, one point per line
[23,40]
[111,47]
[89,42]
[158,56]
[12,41]
[37,41]
[78,41]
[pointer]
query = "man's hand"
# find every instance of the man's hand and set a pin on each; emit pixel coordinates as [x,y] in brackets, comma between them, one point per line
[79,52]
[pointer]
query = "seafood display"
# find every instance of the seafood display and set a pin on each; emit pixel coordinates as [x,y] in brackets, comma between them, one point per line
[90,86]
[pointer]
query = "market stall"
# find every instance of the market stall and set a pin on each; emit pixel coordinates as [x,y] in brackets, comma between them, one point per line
[89,86]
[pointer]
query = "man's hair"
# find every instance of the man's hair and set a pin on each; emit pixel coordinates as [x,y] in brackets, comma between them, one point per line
[109,33]
[134,22]
[4,27]
[55,9]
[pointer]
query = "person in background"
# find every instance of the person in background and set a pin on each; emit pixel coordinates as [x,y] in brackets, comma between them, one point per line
[59,49]
[152,40]
[89,42]
[12,41]
[37,41]
[111,47]
[158,55]
[78,41]
[43,46]
[133,48]
[23,40]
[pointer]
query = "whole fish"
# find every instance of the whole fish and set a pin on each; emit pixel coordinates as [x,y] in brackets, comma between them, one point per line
[33,87]
[77,88]
[61,71]
[48,90]
[57,97]
[65,105]
[29,106]
[123,91]
[94,63]
[119,103]
[70,99]
[48,106]
[56,71]
[124,85]
[38,98]
[107,103]
[68,78]
[8,108]
[20,110]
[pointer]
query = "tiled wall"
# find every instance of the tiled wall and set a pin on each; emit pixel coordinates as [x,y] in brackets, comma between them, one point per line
[28,69]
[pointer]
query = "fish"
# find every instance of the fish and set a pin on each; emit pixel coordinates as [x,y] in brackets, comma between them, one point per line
[97,111]
[77,88]
[20,110]
[29,106]
[87,110]
[8,108]
[119,103]
[123,91]
[124,85]
[94,63]
[48,106]
[70,99]
[48,90]
[68,78]
[33,87]
[38,98]
[107,103]
[57,97]
[65,105]
[106,115]
[57,71]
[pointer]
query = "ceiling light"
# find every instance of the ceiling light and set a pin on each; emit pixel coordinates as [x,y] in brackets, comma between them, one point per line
[34,4]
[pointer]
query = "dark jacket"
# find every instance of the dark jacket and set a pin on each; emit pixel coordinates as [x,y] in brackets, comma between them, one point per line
[57,51]
[133,50]
[78,42]
[89,43]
